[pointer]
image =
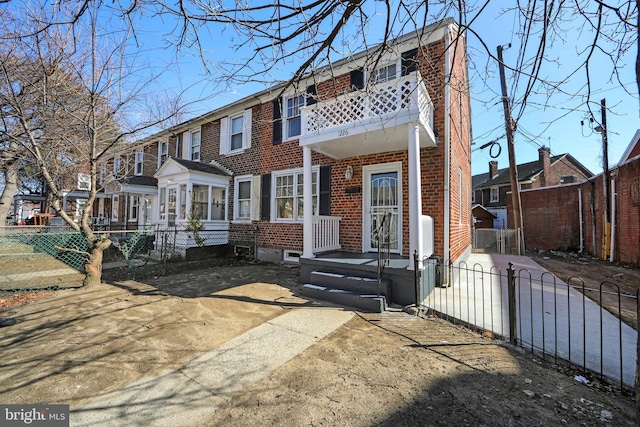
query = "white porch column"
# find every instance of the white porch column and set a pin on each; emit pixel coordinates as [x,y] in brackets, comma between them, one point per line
[415,196]
[307,203]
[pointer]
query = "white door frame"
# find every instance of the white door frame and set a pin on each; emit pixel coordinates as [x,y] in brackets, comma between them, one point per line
[367,172]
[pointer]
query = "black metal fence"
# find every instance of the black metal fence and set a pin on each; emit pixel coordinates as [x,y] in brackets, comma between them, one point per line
[592,329]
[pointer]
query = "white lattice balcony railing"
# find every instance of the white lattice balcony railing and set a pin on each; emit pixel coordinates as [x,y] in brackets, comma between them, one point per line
[326,233]
[402,100]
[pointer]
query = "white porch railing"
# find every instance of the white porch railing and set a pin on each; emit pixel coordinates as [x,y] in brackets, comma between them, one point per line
[326,233]
[407,95]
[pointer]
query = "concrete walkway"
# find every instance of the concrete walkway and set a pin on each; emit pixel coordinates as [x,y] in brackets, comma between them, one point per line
[552,317]
[189,394]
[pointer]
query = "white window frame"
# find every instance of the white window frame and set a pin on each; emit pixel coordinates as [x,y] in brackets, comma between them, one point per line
[115,207]
[374,77]
[226,125]
[192,146]
[163,150]
[473,196]
[138,166]
[117,165]
[236,197]
[286,118]
[134,208]
[494,194]
[295,173]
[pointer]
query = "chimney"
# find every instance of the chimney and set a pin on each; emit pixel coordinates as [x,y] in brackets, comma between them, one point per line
[544,160]
[493,169]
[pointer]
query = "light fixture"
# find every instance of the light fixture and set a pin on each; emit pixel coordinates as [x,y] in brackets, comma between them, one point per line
[599,129]
[348,174]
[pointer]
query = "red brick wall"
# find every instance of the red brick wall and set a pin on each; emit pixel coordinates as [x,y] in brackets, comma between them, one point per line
[551,215]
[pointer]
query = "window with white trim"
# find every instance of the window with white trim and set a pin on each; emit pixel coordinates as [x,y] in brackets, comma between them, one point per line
[117,165]
[115,207]
[287,195]
[473,196]
[200,200]
[194,145]
[134,205]
[292,117]
[163,152]
[137,169]
[494,195]
[242,206]
[384,74]
[235,133]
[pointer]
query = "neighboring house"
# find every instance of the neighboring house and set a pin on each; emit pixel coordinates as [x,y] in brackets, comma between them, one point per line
[490,189]
[305,169]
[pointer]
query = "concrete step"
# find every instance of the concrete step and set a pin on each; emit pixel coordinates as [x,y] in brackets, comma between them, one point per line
[371,303]
[349,282]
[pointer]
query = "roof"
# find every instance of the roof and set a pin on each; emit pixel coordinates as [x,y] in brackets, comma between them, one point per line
[140,180]
[202,167]
[526,172]
[275,90]
[483,210]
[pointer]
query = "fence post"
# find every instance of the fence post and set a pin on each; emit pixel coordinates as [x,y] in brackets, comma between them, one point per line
[511,292]
[416,278]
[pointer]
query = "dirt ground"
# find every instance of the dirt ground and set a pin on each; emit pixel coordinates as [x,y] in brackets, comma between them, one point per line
[390,369]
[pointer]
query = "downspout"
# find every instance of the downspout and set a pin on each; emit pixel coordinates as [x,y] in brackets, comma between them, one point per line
[447,147]
[581,221]
[613,219]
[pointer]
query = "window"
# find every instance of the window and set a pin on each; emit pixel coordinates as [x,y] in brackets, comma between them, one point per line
[137,169]
[293,121]
[134,202]
[115,207]
[171,205]
[473,196]
[81,205]
[235,133]
[242,205]
[183,201]
[200,200]
[383,74]
[102,173]
[288,195]
[495,194]
[163,152]
[194,145]
[162,200]
[117,165]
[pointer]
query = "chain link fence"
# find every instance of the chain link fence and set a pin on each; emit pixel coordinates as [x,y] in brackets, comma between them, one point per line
[33,257]
[41,257]
[496,241]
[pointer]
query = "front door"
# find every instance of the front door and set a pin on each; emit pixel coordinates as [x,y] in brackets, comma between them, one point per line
[383,192]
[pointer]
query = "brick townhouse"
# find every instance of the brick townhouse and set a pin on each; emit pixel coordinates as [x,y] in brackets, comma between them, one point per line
[298,171]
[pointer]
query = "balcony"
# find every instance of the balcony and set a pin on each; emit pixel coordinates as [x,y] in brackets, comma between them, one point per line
[371,120]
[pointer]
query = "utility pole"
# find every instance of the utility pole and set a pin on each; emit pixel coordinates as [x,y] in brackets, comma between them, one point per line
[606,225]
[513,168]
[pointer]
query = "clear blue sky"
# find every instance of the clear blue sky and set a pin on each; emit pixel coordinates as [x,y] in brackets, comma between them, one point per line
[544,122]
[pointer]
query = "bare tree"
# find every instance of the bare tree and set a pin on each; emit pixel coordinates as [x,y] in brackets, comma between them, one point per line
[270,35]
[71,96]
